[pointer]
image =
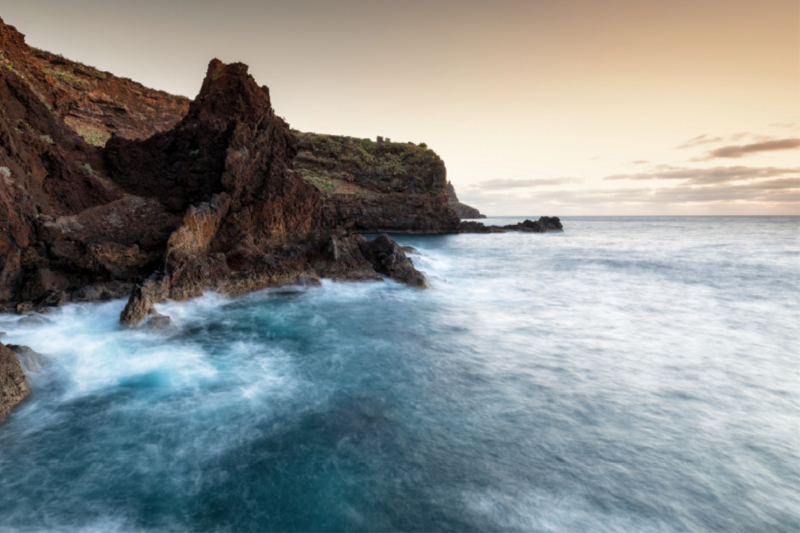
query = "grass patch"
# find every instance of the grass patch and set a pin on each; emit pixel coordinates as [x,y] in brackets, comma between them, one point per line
[67,76]
[93,136]
[321,183]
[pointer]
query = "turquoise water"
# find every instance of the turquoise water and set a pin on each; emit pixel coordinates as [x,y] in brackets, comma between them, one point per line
[629,374]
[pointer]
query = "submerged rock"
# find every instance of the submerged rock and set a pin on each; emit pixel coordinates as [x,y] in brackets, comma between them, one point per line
[14,386]
[159,322]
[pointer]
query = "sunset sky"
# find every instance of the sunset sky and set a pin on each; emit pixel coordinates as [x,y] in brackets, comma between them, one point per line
[538,107]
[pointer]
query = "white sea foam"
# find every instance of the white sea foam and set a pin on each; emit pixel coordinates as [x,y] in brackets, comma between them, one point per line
[626,375]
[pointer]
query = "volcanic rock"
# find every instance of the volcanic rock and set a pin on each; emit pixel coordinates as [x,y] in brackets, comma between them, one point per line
[14,386]
[371,187]
[543,225]
[388,258]
[142,299]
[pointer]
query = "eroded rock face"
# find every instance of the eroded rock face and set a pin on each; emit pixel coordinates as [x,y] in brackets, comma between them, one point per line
[388,258]
[14,386]
[210,200]
[64,224]
[371,187]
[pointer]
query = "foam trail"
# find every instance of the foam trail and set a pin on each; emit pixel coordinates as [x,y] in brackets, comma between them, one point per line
[626,375]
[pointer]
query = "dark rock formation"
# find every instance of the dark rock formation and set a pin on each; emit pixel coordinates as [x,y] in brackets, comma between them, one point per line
[14,386]
[462,210]
[213,202]
[217,194]
[64,225]
[543,225]
[248,219]
[142,299]
[388,258]
[371,187]
[470,226]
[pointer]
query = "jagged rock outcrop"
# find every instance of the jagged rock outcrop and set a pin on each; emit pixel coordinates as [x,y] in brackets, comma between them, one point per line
[14,387]
[371,187]
[218,193]
[543,225]
[388,258]
[143,297]
[463,211]
[248,219]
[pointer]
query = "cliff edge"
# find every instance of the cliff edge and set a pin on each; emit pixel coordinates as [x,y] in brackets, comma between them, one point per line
[371,186]
[463,211]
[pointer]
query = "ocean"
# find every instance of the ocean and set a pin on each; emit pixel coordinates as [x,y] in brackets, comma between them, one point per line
[631,374]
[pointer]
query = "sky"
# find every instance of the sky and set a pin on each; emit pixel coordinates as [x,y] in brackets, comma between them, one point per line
[538,107]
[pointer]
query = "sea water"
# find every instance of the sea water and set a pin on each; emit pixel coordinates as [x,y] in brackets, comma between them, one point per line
[628,374]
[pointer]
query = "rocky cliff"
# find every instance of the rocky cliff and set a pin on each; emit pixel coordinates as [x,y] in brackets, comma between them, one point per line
[372,187]
[99,104]
[462,210]
[181,197]
[210,199]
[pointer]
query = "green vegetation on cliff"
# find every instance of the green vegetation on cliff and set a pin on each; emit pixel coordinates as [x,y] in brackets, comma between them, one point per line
[324,160]
[369,185]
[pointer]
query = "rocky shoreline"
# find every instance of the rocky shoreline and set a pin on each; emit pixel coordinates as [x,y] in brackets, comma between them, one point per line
[111,190]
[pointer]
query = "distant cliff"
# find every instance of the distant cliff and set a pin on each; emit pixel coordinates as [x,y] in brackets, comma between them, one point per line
[371,187]
[462,210]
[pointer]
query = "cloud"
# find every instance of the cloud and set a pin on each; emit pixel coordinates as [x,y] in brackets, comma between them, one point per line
[787,125]
[773,196]
[700,139]
[774,191]
[706,176]
[640,162]
[747,149]
[496,185]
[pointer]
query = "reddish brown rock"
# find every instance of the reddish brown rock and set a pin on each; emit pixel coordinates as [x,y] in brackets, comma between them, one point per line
[14,386]
[59,211]
[205,195]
